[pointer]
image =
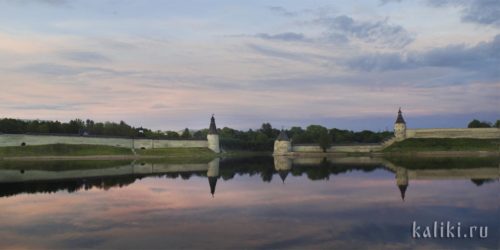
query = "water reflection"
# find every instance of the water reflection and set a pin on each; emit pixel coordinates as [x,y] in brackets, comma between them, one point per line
[259,202]
[44,177]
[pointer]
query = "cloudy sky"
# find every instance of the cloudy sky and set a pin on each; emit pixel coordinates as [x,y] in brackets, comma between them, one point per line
[171,64]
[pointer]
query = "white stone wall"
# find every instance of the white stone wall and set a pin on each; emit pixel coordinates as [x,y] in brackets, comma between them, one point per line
[149,143]
[16,140]
[477,133]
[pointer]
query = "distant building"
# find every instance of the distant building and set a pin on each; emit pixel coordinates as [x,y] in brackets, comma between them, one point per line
[282,144]
[400,127]
[213,136]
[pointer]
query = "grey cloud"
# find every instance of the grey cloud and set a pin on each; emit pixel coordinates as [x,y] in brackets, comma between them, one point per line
[84,56]
[287,36]
[46,2]
[379,62]
[380,32]
[282,11]
[59,106]
[267,51]
[382,2]
[54,2]
[59,69]
[486,12]
[282,54]
[483,12]
[483,58]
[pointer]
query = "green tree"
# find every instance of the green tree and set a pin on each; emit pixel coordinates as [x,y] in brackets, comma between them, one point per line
[172,135]
[268,130]
[324,140]
[497,124]
[478,124]
[186,134]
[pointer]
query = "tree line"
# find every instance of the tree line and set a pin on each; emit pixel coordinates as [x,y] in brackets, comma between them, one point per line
[261,139]
[85,128]
[483,124]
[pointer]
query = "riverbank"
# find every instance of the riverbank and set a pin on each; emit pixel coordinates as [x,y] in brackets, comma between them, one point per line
[99,152]
[445,145]
[431,147]
[397,154]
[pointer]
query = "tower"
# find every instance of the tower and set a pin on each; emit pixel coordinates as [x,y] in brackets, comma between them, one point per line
[282,144]
[400,127]
[213,136]
[402,180]
[213,174]
[282,165]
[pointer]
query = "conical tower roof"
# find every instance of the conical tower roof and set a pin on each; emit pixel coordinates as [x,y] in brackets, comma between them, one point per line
[400,117]
[283,174]
[402,189]
[212,130]
[282,136]
[212,181]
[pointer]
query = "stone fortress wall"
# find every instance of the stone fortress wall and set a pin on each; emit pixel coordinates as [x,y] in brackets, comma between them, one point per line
[212,142]
[400,133]
[477,133]
[7,140]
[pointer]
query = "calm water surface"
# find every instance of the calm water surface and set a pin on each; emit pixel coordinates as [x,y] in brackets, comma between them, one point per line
[259,202]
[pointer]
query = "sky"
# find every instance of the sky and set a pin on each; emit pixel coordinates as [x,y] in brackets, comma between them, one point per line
[171,64]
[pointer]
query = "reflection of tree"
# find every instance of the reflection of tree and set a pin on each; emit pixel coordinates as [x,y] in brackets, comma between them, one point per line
[9,189]
[228,169]
[480,182]
[445,162]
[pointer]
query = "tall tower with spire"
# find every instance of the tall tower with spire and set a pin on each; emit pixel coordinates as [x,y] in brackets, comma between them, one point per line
[400,127]
[282,144]
[213,137]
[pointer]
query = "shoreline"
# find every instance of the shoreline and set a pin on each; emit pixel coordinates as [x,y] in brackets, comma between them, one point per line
[406,154]
[250,153]
[86,157]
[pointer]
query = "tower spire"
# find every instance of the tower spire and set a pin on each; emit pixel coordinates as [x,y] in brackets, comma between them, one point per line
[212,130]
[400,118]
[402,189]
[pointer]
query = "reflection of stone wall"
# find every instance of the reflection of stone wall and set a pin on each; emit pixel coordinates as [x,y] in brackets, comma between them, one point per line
[11,176]
[477,133]
[17,140]
[345,148]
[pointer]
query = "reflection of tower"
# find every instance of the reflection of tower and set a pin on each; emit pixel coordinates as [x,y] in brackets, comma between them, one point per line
[213,137]
[283,165]
[213,174]
[282,144]
[400,127]
[402,180]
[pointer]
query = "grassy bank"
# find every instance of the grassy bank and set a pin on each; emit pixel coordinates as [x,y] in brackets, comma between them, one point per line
[182,154]
[62,165]
[62,150]
[444,144]
[97,152]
